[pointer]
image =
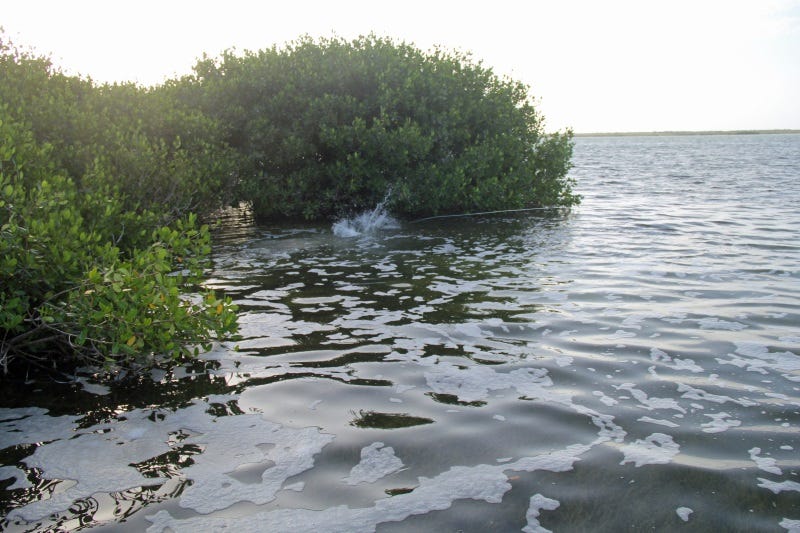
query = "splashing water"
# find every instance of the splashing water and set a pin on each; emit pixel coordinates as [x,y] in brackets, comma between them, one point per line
[367,222]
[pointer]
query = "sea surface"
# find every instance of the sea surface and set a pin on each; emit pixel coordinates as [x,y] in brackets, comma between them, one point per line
[632,364]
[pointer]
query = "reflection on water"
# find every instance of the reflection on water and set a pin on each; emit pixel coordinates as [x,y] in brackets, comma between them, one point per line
[632,364]
[373,419]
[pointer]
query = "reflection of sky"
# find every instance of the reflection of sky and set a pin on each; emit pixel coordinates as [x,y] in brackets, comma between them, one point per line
[597,66]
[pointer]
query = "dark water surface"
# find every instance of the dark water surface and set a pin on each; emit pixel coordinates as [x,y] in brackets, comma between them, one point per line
[631,365]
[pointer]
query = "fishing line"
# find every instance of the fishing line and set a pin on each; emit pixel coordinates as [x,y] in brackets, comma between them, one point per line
[486,213]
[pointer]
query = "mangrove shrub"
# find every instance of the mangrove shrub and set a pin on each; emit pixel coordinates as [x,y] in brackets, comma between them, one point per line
[157,153]
[68,292]
[100,259]
[327,127]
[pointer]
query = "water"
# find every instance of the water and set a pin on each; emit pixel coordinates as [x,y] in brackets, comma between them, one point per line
[631,365]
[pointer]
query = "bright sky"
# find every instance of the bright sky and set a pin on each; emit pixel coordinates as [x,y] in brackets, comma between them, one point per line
[594,65]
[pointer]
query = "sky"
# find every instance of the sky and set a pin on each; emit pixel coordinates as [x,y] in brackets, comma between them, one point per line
[592,65]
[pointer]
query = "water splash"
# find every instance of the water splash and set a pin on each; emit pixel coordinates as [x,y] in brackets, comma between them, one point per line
[366,223]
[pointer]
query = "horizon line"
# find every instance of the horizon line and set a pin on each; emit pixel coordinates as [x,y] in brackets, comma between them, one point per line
[685,132]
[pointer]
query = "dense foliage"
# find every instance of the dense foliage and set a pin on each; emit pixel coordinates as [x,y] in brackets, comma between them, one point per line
[157,153]
[327,127]
[99,257]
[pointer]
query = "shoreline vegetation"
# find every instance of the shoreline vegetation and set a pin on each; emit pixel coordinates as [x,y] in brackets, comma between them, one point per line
[684,133]
[103,188]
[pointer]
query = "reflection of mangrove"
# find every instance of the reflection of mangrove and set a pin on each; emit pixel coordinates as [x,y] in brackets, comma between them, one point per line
[482,361]
[13,455]
[141,392]
[465,306]
[452,399]
[168,464]
[229,408]
[344,360]
[254,382]
[93,511]
[398,491]
[128,502]
[132,392]
[374,419]
[82,512]
[38,488]
[79,515]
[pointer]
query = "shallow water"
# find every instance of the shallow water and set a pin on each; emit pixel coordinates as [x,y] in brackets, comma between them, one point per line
[633,364]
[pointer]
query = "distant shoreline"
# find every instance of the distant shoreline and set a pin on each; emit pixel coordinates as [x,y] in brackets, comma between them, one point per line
[666,133]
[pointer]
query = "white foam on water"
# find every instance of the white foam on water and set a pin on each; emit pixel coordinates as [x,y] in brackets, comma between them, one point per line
[377,461]
[563,360]
[778,487]
[474,382]
[648,402]
[720,422]
[20,479]
[792,526]
[607,400]
[99,459]
[686,364]
[634,321]
[749,364]
[93,388]
[657,448]
[232,441]
[28,425]
[683,513]
[780,396]
[320,300]
[557,461]
[537,504]
[756,357]
[717,323]
[767,464]
[264,329]
[674,363]
[621,334]
[482,482]
[660,422]
[692,393]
